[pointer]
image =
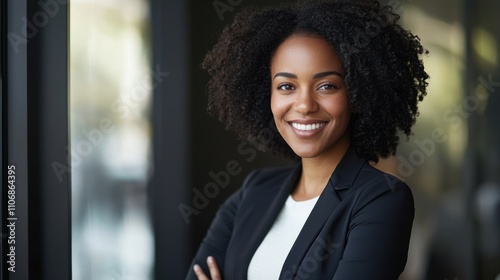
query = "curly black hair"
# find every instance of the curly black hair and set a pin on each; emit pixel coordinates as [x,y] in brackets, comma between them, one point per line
[385,76]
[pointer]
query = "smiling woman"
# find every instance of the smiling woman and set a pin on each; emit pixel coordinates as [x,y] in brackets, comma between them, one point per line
[308,90]
[334,103]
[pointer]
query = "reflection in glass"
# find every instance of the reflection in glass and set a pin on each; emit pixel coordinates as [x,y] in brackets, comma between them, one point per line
[111,84]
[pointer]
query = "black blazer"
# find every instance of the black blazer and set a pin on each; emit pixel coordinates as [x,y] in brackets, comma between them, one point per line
[359,228]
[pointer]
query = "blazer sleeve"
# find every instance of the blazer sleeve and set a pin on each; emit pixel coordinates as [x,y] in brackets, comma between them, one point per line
[378,237]
[219,233]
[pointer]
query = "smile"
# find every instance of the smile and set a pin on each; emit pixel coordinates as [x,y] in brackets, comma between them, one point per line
[307,127]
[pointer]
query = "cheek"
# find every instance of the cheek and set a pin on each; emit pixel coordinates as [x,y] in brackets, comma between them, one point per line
[339,110]
[340,106]
[276,106]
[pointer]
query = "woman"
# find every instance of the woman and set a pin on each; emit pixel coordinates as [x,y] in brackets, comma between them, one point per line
[336,81]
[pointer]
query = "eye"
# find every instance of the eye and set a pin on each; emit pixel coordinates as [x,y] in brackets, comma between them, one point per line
[328,86]
[285,87]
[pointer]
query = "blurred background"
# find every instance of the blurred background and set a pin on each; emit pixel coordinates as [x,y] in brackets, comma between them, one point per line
[148,166]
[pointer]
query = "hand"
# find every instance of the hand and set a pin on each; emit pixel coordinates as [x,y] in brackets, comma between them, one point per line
[212,266]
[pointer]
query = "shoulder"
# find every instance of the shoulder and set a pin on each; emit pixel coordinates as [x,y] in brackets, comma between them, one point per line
[375,186]
[372,176]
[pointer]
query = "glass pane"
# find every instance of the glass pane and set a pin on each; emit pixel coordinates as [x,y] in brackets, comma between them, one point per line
[110,96]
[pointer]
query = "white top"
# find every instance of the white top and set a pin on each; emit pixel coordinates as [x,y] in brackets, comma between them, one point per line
[269,258]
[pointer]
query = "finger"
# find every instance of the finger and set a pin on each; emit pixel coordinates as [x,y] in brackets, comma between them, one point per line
[214,269]
[199,273]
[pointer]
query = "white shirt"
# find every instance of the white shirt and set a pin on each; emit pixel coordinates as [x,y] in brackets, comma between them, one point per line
[269,258]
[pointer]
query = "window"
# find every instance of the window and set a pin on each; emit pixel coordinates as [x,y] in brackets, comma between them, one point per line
[110,91]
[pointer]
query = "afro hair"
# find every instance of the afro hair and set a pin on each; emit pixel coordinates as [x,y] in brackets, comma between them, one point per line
[384,73]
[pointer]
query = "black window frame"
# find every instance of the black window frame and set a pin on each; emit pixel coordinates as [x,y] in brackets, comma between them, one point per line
[35,134]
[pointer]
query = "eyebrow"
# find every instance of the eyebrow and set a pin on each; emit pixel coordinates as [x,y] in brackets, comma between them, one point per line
[316,76]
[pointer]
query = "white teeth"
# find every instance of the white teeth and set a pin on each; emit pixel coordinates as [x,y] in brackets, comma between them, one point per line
[307,126]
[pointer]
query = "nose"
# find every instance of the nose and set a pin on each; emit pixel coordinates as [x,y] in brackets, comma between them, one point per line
[306,102]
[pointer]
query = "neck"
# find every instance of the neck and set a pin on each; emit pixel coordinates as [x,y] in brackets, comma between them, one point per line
[317,171]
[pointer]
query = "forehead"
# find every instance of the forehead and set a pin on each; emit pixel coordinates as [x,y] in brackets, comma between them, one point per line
[305,53]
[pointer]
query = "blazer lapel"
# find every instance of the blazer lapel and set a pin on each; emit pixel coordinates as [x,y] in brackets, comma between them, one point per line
[268,215]
[326,204]
[339,184]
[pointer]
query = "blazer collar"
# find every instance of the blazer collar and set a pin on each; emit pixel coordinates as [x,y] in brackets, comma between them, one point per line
[347,170]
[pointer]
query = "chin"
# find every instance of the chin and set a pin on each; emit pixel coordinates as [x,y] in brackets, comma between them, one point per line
[306,154]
